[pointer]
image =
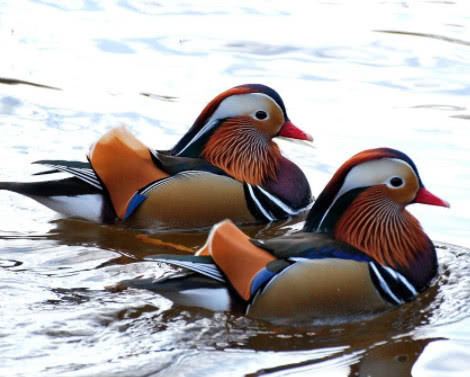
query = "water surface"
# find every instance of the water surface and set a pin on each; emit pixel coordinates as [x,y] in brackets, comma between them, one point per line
[354,75]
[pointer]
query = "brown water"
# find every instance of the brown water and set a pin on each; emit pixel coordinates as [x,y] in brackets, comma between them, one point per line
[354,75]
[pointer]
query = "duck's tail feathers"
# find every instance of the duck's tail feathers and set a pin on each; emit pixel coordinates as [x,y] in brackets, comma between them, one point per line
[64,187]
[6,186]
[79,169]
[191,290]
[203,265]
[71,197]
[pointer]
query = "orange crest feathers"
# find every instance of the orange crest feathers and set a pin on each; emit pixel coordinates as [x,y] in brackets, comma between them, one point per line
[212,105]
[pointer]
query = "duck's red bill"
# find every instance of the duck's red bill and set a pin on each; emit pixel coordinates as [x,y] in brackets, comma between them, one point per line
[426,197]
[289,130]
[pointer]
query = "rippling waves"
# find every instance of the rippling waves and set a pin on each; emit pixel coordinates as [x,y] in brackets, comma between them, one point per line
[383,73]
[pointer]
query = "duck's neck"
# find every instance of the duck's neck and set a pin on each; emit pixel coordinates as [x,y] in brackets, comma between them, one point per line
[243,152]
[383,229]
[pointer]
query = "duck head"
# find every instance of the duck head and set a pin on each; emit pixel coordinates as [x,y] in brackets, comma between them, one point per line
[364,205]
[235,130]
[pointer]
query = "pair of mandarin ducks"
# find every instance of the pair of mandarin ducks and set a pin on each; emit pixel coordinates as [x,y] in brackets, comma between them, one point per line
[360,250]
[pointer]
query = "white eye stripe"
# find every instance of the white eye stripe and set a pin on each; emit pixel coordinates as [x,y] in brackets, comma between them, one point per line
[244,104]
[375,172]
[371,173]
[235,105]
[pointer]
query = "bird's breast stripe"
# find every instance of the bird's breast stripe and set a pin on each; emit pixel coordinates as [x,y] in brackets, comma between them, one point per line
[267,206]
[392,285]
[275,201]
[255,206]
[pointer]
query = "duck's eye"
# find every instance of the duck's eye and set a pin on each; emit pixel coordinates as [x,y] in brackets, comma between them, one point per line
[396,182]
[261,115]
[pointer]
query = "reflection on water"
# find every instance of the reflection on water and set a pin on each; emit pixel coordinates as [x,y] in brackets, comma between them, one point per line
[424,35]
[8,81]
[386,73]
[77,259]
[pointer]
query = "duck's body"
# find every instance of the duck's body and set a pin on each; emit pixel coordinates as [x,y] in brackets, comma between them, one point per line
[360,252]
[226,166]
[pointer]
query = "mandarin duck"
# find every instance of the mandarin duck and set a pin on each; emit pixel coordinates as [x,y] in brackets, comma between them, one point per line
[360,251]
[226,166]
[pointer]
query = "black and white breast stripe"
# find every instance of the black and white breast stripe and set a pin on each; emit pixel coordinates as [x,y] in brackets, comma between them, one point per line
[392,285]
[267,206]
[85,174]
